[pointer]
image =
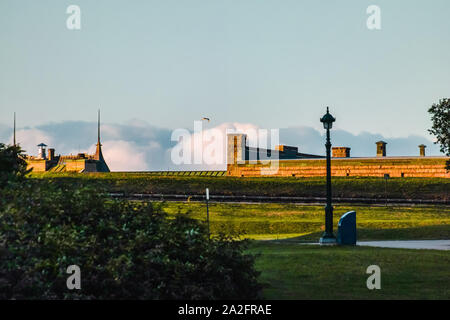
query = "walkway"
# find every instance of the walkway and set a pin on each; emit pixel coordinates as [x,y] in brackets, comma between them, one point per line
[409,244]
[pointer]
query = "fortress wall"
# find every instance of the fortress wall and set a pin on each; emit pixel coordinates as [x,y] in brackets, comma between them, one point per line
[37,165]
[70,163]
[368,167]
[90,166]
[341,165]
[75,165]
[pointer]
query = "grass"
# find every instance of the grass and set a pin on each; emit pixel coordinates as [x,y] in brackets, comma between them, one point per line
[295,271]
[291,270]
[306,222]
[351,187]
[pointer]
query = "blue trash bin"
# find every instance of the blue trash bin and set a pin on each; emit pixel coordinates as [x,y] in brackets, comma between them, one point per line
[347,229]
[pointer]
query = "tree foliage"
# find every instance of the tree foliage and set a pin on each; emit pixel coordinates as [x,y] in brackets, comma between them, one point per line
[12,165]
[125,249]
[440,117]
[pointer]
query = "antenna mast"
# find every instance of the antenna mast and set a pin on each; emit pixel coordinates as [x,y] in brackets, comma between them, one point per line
[14,134]
[98,127]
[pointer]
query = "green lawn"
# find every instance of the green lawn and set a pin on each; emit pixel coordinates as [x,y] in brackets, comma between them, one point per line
[296,271]
[351,187]
[306,223]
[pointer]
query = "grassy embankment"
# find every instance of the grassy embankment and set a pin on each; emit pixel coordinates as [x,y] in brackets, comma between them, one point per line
[350,187]
[305,223]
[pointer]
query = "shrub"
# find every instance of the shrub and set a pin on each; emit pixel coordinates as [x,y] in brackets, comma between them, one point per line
[12,165]
[125,249]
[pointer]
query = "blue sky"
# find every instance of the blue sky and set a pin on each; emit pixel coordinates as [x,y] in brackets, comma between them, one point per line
[275,64]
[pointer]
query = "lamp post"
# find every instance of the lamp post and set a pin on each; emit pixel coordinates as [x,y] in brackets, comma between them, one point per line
[328,236]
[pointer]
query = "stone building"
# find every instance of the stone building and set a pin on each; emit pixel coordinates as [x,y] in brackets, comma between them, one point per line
[82,162]
[245,161]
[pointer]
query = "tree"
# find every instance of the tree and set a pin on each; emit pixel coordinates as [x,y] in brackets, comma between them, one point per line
[440,117]
[12,164]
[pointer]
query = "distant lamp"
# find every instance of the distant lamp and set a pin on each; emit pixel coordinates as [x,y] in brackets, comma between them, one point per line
[327,120]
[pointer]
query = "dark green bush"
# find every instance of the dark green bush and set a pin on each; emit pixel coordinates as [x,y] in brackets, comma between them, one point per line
[125,250]
[12,166]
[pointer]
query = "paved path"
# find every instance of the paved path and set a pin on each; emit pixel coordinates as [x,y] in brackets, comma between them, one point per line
[409,244]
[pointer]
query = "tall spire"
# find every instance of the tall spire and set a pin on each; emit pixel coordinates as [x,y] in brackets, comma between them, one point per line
[98,151]
[101,164]
[98,127]
[14,134]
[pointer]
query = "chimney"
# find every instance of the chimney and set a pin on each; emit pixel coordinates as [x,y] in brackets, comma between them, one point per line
[51,154]
[422,150]
[340,152]
[41,151]
[381,148]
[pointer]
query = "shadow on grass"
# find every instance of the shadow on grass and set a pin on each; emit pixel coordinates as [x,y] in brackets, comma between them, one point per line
[292,271]
[434,232]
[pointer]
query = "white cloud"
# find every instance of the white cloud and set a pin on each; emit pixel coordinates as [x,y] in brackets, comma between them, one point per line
[207,148]
[30,138]
[124,156]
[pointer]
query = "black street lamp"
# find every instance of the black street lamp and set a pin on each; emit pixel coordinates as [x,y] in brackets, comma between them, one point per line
[328,236]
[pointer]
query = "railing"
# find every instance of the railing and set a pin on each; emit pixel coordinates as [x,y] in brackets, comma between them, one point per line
[206,173]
